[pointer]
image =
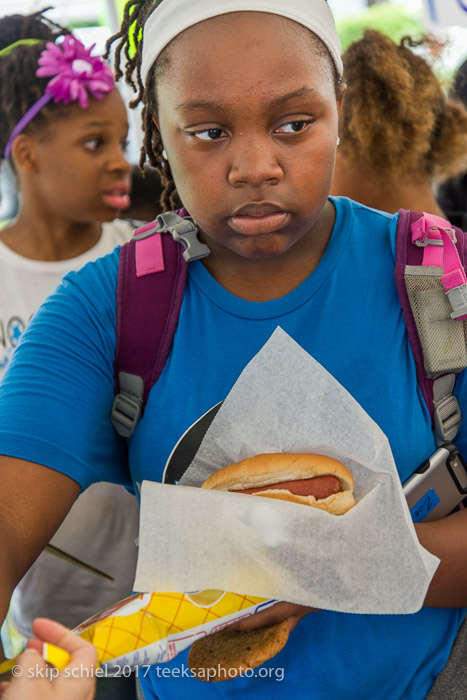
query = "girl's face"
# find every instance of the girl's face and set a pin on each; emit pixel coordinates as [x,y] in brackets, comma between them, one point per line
[80,170]
[248,117]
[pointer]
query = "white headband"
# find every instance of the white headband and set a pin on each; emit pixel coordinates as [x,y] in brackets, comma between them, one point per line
[172,17]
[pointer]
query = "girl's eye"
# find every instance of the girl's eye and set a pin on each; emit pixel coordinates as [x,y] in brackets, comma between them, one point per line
[93,144]
[294,127]
[208,134]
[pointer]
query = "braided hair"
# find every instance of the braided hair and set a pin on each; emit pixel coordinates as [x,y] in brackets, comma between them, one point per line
[130,44]
[19,86]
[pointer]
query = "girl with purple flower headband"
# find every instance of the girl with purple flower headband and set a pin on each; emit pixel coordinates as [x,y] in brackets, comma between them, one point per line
[63,135]
[75,75]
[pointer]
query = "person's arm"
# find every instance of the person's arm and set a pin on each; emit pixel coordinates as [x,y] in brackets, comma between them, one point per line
[33,677]
[447,539]
[34,500]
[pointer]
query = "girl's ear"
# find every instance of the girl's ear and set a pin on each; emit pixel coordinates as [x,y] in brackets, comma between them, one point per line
[155,119]
[23,154]
[340,98]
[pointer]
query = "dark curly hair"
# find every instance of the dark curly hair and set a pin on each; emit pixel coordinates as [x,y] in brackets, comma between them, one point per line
[19,86]
[396,118]
[129,46]
[459,84]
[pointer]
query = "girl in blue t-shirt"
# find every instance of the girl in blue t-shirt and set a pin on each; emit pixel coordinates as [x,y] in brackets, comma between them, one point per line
[241,103]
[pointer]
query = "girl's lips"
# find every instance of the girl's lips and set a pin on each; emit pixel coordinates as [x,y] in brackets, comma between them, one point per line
[253,225]
[117,200]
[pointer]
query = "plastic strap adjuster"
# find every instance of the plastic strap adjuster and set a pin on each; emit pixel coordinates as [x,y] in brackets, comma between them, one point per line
[185,232]
[458,299]
[126,408]
[425,239]
[447,418]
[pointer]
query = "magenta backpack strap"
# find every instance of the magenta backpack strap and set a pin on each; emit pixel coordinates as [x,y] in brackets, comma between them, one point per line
[151,282]
[432,287]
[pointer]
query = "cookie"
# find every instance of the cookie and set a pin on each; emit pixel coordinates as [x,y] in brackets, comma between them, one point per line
[229,653]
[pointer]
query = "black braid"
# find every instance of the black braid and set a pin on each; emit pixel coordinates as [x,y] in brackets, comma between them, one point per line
[19,86]
[130,44]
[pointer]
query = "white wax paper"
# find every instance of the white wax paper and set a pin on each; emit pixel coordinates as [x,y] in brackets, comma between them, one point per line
[366,561]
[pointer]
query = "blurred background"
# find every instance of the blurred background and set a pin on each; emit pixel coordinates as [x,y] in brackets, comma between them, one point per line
[445,21]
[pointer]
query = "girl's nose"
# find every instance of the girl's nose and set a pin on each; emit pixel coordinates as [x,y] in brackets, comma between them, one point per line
[255,164]
[118,159]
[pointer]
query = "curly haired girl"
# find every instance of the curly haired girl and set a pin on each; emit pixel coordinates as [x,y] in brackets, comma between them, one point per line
[399,133]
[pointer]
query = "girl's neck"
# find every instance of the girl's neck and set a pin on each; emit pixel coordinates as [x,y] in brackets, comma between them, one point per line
[372,190]
[46,239]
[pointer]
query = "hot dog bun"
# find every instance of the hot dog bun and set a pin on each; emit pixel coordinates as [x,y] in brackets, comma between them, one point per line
[266,470]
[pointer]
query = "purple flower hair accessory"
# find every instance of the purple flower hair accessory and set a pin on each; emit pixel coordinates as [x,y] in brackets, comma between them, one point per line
[75,73]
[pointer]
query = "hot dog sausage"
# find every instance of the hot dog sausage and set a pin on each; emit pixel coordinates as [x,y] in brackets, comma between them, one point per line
[317,486]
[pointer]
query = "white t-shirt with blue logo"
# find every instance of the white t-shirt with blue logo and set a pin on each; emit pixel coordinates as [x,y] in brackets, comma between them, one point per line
[25,283]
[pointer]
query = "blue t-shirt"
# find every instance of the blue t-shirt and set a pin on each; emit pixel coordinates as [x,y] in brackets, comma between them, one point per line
[55,404]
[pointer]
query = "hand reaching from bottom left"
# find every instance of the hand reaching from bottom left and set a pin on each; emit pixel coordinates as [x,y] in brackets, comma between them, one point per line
[34,679]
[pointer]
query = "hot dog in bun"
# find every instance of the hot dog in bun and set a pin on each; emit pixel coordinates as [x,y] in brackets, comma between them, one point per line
[309,479]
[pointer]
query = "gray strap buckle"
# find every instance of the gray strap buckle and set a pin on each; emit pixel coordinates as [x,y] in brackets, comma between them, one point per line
[183,231]
[126,408]
[447,413]
[458,300]
[422,243]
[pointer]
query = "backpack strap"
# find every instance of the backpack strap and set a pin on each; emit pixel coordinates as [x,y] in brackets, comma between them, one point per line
[432,287]
[151,282]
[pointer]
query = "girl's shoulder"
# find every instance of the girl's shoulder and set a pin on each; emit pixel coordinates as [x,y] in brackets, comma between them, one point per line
[363,214]
[368,228]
